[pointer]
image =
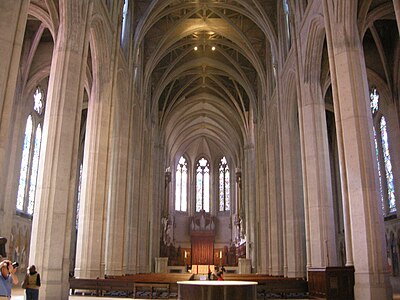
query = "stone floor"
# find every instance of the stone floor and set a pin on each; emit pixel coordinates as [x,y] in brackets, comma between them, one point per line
[18,293]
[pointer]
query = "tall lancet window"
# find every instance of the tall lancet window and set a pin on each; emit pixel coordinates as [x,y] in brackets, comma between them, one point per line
[379,169]
[384,163]
[388,166]
[286,12]
[181,179]
[224,186]
[124,21]
[30,156]
[203,185]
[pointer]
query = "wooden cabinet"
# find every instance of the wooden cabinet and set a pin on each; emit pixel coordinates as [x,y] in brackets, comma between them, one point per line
[332,283]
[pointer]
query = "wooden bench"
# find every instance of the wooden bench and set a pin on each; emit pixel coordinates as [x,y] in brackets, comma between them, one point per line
[100,286]
[151,287]
[130,284]
[273,284]
[158,278]
[90,285]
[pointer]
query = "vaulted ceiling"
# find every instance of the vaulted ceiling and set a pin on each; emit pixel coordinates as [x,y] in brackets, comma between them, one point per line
[206,67]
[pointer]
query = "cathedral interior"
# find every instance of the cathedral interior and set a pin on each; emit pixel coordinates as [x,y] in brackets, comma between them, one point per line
[148,136]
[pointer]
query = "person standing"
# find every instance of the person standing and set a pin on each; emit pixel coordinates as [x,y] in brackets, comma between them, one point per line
[7,279]
[32,283]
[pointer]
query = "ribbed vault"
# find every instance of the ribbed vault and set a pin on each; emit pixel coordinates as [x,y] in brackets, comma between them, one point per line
[204,66]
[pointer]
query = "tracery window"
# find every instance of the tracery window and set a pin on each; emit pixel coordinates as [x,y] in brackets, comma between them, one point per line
[224,185]
[181,176]
[30,156]
[203,185]
[383,155]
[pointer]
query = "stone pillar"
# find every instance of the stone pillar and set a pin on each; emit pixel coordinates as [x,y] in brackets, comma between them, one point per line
[274,208]
[132,235]
[355,142]
[53,214]
[251,226]
[95,216]
[117,199]
[317,178]
[238,194]
[13,16]
[292,204]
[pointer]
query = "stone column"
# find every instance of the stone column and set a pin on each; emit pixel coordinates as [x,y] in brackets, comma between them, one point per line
[53,214]
[355,140]
[117,199]
[274,208]
[291,187]
[132,235]
[94,212]
[317,178]
[250,204]
[13,16]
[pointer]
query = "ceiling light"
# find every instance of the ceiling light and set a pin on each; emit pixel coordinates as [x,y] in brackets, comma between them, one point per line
[213,48]
[195,48]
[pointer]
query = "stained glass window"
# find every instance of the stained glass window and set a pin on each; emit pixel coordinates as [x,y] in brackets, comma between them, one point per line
[124,17]
[23,176]
[379,170]
[286,11]
[388,166]
[224,186]
[34,172]
[181,185]
[374,100]
[203,185]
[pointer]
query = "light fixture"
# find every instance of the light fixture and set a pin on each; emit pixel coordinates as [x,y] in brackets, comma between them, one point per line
[195,48]
[213,48]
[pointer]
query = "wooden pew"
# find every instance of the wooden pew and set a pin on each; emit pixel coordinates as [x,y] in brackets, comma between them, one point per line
[273,284]
[131,284]
[90,285]
[166,281]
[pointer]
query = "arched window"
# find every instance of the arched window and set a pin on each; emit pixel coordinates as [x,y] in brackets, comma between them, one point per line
[30,156]
[181,176]
[224,186]
[286,11]
[203,185]
[124,21]
[384,163]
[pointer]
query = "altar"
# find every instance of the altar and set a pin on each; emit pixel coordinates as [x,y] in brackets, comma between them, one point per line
[213,289]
